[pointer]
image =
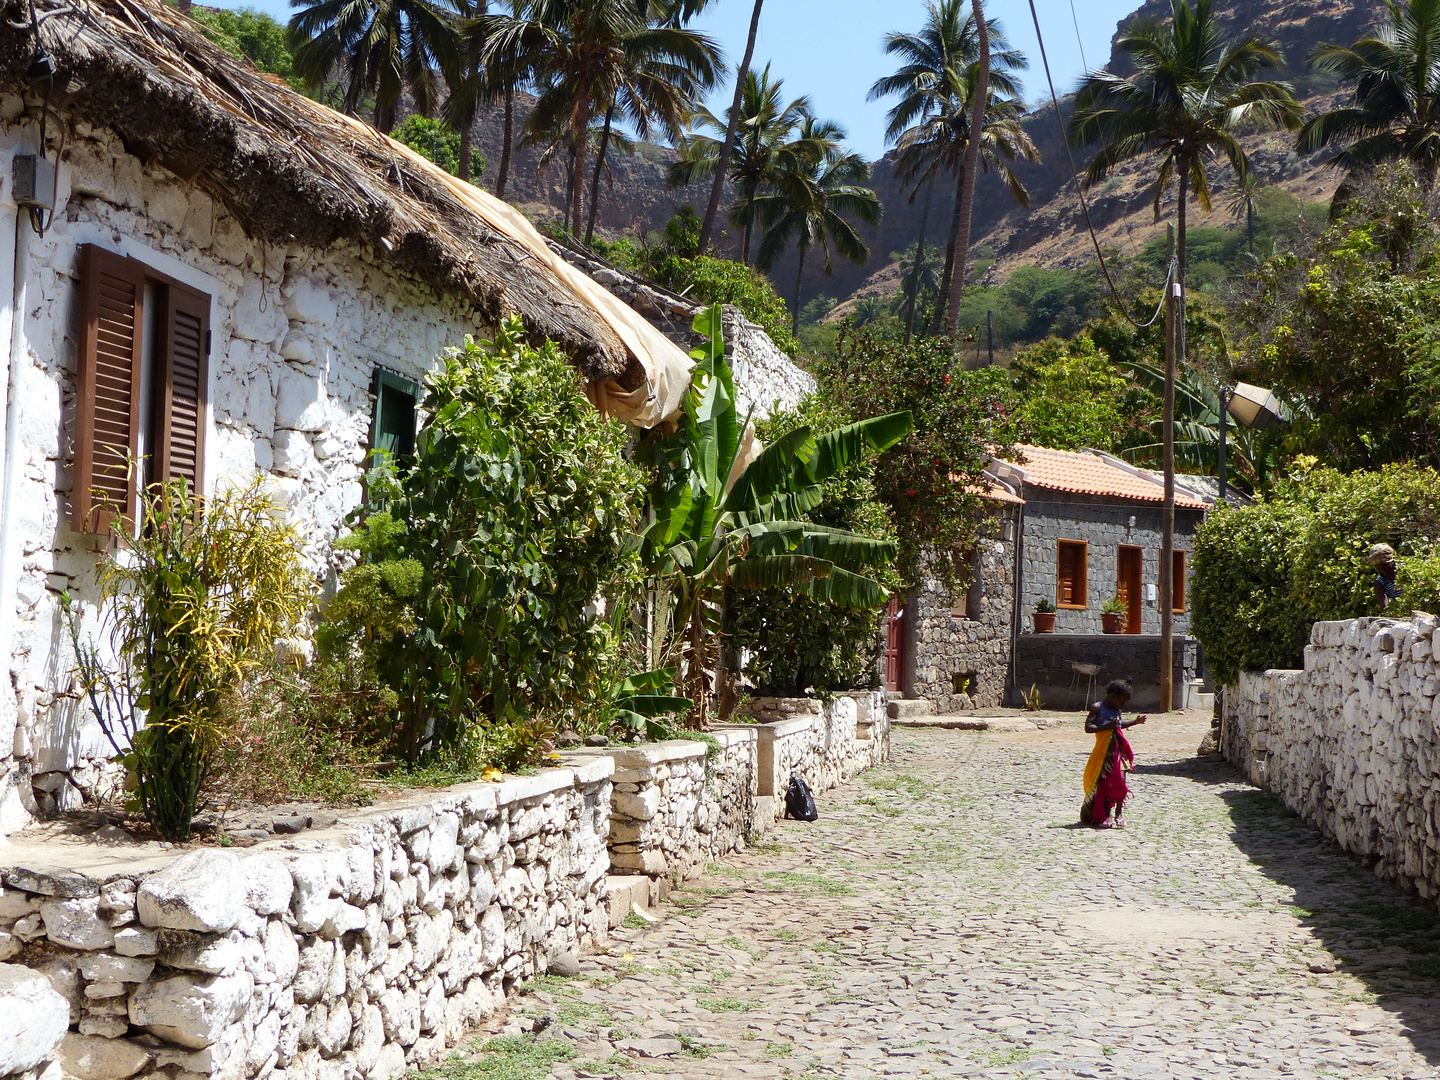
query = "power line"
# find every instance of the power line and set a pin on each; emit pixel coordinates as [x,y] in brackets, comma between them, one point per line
[1076,20]
[1084,203]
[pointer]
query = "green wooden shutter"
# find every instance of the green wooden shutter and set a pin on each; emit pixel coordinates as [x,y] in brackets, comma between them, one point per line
[392,428]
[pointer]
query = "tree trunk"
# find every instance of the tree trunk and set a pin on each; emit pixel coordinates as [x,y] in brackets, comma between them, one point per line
[595,183]
[749,231]
[919,264]
[731,127]
[577,168]
[1250,224]
[942,301]
[795,314]
[506,139]
[971,175]
[467,142]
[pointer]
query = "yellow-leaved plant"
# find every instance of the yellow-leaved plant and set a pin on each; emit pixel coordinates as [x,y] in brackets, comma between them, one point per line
[197,595]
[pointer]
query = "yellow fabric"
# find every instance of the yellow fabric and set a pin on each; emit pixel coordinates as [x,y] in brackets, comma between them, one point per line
[667,366]
[1096,764]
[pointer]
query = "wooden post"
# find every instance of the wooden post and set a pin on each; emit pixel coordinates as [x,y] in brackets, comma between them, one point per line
[1174,342]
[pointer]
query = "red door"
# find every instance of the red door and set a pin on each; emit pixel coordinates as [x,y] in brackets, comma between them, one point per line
[894,643]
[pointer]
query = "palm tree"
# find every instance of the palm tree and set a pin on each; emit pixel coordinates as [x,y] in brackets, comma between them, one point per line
[771,145]
[727,147]
[811,203]
[653,94]
[581,50]
[970,175]
[1394,112]
[383,47]
[1241,203]
[1192,92]
[936,83]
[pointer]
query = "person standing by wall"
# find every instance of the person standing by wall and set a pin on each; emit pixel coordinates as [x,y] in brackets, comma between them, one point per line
[1382,559]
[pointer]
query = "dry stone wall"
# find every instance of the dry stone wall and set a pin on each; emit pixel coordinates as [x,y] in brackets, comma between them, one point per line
[352,954]
[360,951]
[1352,742]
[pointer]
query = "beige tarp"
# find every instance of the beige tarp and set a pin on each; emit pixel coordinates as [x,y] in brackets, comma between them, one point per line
[667,367]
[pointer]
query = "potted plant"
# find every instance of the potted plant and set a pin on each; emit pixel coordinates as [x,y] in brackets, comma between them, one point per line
[1112,615]
[1044,615]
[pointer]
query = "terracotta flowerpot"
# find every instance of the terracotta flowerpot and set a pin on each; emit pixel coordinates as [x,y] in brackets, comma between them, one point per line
[1112,622]
[1044,622]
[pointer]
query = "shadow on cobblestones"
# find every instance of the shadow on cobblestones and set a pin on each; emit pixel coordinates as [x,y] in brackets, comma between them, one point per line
[1373,931]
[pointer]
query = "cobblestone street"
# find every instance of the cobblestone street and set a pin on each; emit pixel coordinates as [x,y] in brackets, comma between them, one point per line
[946,916]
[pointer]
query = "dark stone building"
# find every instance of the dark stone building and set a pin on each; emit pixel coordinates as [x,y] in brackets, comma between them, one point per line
[1074,528]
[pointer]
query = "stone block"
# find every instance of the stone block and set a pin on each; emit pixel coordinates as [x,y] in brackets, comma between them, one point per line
[36,1019]
[203,890]
[76,923]
[191,1010]
[87,1057]
[105,967]
[638,805]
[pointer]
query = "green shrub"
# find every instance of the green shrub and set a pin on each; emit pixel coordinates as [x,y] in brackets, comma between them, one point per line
[1265,573]
[481,562]
[1242,608]
[250,33]
[438,141]
[198,598]
[796,642]
[676,263]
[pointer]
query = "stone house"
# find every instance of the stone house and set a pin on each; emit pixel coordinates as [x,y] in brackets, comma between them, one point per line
[1072,527]
[216,276]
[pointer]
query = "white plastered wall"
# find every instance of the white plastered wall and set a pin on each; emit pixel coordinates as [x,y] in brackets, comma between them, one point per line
[296,336]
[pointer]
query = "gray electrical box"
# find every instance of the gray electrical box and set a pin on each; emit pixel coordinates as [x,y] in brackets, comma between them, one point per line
[34,182]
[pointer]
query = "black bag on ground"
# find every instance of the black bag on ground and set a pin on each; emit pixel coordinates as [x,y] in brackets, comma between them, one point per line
[799,803]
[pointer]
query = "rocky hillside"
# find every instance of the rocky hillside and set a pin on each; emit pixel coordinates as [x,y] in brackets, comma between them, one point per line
[1051,231]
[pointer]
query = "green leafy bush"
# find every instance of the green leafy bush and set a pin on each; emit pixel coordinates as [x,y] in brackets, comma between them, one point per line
[250,33]
[438,141]
[1242,608]
[198,597]
[797,642]
[1263,574]
[932,480]
[676,263]
[481,563]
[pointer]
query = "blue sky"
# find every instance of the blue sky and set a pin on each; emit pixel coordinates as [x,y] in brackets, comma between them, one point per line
[830,49]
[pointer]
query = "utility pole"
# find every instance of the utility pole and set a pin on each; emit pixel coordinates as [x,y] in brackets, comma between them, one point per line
[990,333]
[1224,409]
[1174,343]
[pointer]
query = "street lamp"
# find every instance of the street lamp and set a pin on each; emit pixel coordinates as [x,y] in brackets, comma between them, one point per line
[1253,407]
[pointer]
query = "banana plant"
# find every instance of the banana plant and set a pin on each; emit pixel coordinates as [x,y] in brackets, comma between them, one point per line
[728,513]
[642,700]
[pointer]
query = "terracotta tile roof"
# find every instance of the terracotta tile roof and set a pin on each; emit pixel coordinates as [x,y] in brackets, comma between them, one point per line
[1085,473]
[998,493]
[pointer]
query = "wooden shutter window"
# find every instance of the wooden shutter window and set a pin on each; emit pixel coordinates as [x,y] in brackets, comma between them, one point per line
[1177,582]
[107,420]
[1072,572]
[180,390]
[110,373]
[392,427]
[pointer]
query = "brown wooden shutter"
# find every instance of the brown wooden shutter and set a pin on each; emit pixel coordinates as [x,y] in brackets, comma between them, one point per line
[107,414]
[180,427]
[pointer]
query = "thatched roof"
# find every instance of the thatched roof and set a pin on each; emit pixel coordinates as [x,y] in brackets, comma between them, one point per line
[291,170]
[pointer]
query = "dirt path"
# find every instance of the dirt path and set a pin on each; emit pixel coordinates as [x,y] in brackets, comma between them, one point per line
[947,917]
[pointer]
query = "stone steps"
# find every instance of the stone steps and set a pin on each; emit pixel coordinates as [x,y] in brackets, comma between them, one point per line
[625,892]
[910,708]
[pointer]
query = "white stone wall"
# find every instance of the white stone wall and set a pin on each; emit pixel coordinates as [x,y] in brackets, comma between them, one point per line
[677,806]
[296,336]
[353,954]
[1352,742]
